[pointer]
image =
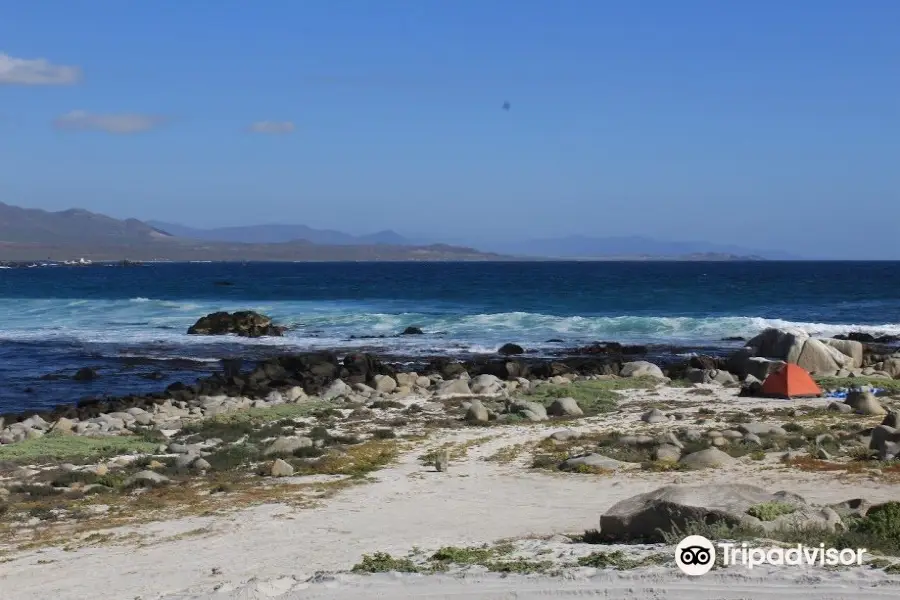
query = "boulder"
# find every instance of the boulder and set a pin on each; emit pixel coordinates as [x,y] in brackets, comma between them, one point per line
[411,330]
[863,402]
[280,468]
[761,429]
[287,445]
[533,411]
[245,323]
[885,440]
[647,516]
[477,413]
[453,389]
[594,461]
[654,416]
[510,350]
[564,435]
[850,348]
[486,385]
[564,407]
[385,384]
[707,459]
[796,346]
[667,453]
[641,368]
[337,389]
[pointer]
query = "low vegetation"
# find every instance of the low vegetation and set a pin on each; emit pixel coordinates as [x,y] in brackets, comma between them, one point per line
[74,448]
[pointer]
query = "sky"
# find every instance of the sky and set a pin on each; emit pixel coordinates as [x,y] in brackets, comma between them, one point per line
[768,124]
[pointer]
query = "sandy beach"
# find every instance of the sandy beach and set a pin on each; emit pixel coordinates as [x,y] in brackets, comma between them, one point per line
[489,494]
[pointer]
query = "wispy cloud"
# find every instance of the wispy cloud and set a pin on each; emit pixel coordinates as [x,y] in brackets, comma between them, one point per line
[125,123]
[272,127]
[35,71]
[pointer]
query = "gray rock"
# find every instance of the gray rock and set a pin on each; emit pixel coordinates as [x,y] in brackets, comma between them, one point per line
[648,515]
[564,435]
[863,402]
[486,385]
[762,429]
[752,438]
[840,407]
[337,389]
[385,384]
[892,419]
[201,464]
[594,461]
[641,368]
[280,468]
[275,397]
[565,407]
[654,416]
[287,445]
[707,459]
[477,413]
[533,411]
[442,461]
[295,394]
[731,434]
[667,453]
[453,388]
[885,441]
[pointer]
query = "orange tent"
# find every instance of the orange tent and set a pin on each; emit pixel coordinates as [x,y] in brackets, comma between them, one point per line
[791,381]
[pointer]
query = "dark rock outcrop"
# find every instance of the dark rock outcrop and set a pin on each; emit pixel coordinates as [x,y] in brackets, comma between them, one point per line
[511,349]
[245,323]
[411,330]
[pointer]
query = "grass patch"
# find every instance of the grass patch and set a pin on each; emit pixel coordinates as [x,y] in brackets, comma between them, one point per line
[593,396]
[620,561]
[770,511]
[255,423]
[382,562]
[890,386]
[507,454]
[354,461]
[72,447]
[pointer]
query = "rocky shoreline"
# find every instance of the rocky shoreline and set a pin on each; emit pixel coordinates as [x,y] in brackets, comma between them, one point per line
[358,375]
[370,457]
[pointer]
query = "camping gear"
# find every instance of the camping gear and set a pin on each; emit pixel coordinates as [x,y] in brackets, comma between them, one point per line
[791,381]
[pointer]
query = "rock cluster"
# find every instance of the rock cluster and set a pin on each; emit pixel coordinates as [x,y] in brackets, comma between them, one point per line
[245,323]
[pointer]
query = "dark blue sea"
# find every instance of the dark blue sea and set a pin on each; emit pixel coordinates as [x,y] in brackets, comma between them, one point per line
[130,323]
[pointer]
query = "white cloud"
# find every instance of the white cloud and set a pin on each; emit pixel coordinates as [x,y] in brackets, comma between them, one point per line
[36,71]
[80,120]
[272,127]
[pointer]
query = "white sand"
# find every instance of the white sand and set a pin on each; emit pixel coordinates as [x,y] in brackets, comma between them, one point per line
[411,505]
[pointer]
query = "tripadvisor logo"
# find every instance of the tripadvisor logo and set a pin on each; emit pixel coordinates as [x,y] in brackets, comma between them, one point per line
[696,555]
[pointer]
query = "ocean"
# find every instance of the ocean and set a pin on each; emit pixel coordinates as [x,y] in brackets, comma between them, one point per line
[130,323]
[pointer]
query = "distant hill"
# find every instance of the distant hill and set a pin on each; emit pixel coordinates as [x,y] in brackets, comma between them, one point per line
[276,233]
[34,226]
[632,247]
[33,234]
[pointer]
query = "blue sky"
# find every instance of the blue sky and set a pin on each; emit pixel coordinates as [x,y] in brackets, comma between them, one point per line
[767,124]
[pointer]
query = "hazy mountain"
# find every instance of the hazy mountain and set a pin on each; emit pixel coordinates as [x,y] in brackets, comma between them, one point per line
[627,246]
[275,233]
[32,234]
[35,226]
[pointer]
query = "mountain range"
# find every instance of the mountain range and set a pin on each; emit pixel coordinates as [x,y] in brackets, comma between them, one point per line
[568,247]
[30,234]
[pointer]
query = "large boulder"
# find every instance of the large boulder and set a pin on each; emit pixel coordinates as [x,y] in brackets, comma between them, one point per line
[641,368]
[648,515]
[796,346]
[245,323]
